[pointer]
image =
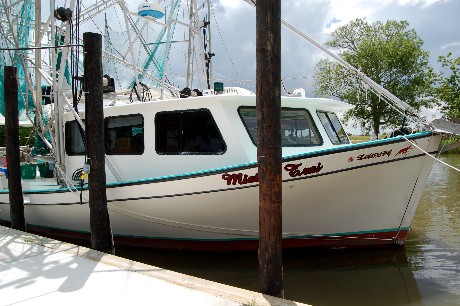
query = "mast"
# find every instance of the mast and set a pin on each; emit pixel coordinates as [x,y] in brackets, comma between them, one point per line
[210,54]
[168,42]
[189,52]
[38,57]
[54,85]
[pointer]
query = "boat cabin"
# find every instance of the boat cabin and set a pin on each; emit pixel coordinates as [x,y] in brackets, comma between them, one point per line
[180,136]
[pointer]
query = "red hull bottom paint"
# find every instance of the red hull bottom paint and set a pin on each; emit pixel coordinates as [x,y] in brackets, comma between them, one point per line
[320,242]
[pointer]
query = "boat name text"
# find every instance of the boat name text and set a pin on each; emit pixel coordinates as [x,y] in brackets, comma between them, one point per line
[374,155]
[240,178]
[294,170]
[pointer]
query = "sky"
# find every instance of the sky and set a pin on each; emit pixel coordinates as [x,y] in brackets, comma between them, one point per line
[233,32]
[436,22]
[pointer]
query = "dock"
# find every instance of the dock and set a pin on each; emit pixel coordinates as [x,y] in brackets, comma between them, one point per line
[35,270]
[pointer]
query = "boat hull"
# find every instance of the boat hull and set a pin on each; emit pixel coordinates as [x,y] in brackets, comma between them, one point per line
[354,196]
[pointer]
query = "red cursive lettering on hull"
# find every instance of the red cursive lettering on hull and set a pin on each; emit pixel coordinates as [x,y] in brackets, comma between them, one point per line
[294,171]
[240,178]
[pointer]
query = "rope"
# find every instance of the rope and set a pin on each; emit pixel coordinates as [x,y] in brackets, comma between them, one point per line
[225,46]
[228,231]
[408,202]
[182,225]
[428,154]
[284,88]
[69,184]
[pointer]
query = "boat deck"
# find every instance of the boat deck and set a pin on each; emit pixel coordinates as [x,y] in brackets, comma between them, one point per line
[40,271]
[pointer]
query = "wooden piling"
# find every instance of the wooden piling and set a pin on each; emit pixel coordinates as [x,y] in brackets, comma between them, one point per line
[12,149]
[268,100]
[101,231]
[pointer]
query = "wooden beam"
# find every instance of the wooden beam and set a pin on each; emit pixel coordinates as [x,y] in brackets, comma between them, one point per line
[101,231]
[268,100]
[12,149]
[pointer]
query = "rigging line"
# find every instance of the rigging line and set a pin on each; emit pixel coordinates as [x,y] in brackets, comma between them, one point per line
[37,48]
[100,32]
[223,43]
[69,184]
[241,82]
[433,157]
[182,225]
[226,231]
[408,203]
[284,88]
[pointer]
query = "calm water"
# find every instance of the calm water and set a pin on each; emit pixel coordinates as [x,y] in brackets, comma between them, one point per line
[424,272]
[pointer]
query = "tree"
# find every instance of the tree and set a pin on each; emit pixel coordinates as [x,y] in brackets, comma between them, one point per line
[448,89]
[391,55]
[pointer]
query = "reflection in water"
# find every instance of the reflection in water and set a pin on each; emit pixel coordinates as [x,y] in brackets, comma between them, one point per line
[384,276]
[379,277]
[433,246]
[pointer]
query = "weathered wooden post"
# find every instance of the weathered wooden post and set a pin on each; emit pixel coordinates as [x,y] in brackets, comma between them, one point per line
[12,149]
[268,89]
[101,231]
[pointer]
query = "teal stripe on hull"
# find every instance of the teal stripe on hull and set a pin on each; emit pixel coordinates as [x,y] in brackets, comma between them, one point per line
[237,239]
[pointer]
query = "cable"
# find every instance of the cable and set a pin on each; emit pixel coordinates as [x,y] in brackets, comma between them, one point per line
[426,153]
[36,48]
[225,46]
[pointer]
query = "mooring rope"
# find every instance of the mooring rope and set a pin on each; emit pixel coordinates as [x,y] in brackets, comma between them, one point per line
[426,153]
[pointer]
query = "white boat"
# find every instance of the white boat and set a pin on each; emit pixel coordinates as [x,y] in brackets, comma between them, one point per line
[182,174]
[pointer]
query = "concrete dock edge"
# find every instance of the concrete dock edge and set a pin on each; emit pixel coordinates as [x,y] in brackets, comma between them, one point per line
[16,246]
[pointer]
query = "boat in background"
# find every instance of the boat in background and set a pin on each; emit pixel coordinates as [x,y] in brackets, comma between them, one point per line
[182,171]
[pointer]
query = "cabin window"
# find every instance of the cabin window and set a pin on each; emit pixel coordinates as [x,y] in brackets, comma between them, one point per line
[188,132]
[74,143]
[124,135]
[297,127]
[333,127]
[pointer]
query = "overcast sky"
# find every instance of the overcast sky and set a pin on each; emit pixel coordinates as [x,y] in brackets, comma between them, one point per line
[437,22]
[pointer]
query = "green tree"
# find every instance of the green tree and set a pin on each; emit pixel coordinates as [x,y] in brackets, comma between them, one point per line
[389,53]
[448,89]
[25,136]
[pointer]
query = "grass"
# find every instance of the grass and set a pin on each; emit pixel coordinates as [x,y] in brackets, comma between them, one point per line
[447,141]
[359,138]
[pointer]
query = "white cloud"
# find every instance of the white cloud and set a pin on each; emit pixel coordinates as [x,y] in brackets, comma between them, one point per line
[232,4]
[449,45]
[423,3]
[249,46]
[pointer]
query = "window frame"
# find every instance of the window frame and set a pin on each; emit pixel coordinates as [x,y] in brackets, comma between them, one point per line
[314,127]
[333,127]
[106,123]
[68,136]
[181,144]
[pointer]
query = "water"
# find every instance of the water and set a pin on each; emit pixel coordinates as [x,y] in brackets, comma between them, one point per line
[433,249]
[424,272]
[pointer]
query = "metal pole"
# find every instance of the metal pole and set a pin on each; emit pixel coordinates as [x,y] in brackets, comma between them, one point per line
[268,101]
[38,64]
[12,149]
[209,40]
[101,231]
[168,42]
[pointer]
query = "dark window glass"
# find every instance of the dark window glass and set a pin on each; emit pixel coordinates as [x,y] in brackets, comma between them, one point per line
[124,135]
[168,133]
[333,127]
[74,144]
[188,132]
[297,127]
